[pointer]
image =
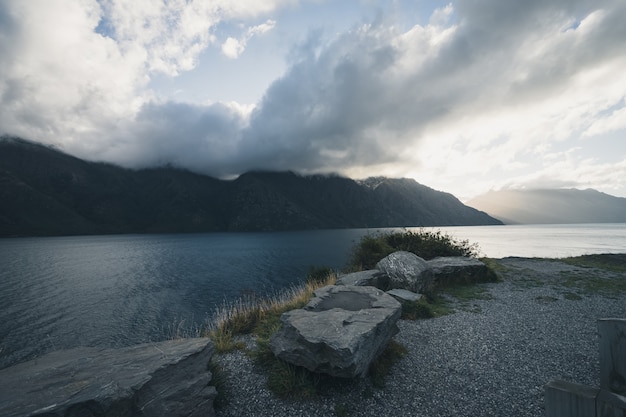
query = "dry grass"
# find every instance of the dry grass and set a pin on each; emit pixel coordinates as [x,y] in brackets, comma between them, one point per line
[252,314]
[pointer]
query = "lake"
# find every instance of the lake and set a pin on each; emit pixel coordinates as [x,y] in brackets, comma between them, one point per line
[111,291]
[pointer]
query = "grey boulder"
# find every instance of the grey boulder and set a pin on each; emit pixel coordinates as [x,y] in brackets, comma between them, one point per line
[156,379]
[339,332]
[407,271]
[451,270]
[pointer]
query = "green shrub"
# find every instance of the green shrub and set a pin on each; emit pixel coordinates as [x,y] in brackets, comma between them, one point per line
[367,253]
[289,381]
[425,244]
[319,274]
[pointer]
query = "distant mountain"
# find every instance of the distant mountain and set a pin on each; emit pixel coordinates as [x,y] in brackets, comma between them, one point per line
[46,192]
[552,206]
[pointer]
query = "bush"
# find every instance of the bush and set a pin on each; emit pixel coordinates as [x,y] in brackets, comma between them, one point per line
[319,274]
[415,310]
[425,244]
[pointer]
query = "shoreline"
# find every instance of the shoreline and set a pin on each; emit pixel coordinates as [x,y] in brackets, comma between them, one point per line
[491,357]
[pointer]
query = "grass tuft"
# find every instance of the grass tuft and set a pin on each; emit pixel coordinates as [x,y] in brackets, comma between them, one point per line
[260,316]
[289,381]
[416,310]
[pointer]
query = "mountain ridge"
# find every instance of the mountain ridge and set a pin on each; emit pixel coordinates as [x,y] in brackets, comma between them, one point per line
[47,192]
[552,206]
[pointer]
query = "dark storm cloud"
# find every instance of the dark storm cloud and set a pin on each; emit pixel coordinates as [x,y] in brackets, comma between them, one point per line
[363,98]
[200,138]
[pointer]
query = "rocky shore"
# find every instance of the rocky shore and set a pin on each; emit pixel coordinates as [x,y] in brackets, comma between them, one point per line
[491,357]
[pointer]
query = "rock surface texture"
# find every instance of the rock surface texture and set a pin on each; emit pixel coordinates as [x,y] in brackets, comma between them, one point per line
[404,295]
[451,270]
[407,271]
[339,332]
[372,277]
[157,379]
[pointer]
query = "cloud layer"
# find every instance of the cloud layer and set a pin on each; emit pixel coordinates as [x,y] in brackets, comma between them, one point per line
[505,93]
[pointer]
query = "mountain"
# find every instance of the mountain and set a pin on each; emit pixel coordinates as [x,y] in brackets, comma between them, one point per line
[552,206]
[47,192]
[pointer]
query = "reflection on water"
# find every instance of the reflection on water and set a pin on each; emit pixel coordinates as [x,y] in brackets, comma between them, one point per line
[107,291]
[546,241]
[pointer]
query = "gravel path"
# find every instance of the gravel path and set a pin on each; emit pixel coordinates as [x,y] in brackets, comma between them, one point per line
[490,358]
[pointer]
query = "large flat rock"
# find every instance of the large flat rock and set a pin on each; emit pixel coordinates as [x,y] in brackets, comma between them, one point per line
[156,379]
[339,332]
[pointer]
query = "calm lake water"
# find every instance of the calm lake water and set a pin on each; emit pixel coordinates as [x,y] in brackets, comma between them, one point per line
[108,291]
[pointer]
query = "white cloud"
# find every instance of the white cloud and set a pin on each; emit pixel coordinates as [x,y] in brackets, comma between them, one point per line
[60,81]
[488,91]
[63,83]
[173,33]
[232,47]
[614,121]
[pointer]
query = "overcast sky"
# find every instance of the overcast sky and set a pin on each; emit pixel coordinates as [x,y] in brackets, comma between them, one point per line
[464,96]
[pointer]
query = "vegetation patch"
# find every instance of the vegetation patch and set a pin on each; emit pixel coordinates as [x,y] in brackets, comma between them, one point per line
[289,381]
[218,380]
[546,299]
[381,367]
[440,303]
[425,244]
[430,306]
[593,284]
[572,296]
[528,282]
[494,266]
[260,316]
[341,410]
[613,262]
[416,310]
[467,293]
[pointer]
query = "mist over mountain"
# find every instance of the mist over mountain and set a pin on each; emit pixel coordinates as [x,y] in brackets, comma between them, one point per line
[47,192]
[552,206]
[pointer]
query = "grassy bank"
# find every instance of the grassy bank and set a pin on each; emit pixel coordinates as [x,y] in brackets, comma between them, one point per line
[260,317]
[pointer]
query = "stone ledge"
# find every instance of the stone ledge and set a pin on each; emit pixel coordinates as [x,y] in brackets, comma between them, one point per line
[155,379]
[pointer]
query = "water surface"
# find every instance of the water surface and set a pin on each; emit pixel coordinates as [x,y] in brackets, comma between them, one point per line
[107,291]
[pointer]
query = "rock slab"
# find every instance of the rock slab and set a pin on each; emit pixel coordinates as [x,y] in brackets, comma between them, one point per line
[407,271]
[149,380]
[453,270]
[404,295]
[371,277]
[339,332]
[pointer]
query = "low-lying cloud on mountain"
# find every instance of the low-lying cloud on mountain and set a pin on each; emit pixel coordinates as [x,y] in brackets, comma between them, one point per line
[503,92]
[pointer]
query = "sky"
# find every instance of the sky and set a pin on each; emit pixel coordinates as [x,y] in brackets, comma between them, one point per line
[463,96]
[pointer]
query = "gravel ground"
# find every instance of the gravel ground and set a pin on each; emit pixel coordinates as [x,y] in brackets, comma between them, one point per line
[490,358]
